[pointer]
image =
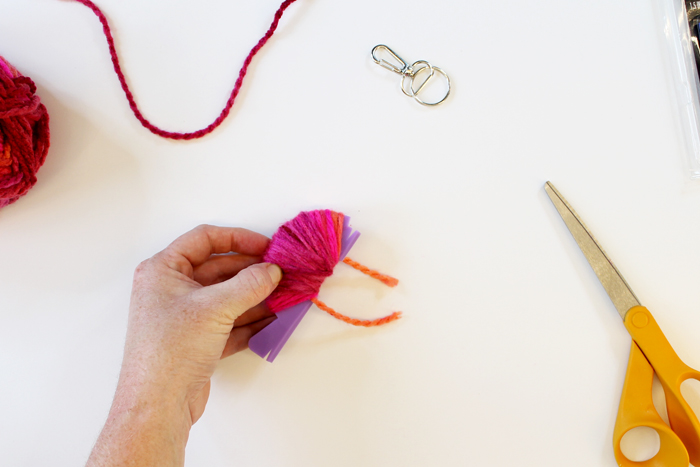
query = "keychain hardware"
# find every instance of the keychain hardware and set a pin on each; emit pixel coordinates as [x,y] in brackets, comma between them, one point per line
[410,72]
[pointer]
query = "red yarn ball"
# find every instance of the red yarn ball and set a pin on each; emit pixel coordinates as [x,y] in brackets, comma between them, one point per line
[24,134]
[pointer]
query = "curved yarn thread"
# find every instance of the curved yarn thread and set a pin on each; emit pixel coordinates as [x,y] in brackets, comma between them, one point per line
[356,322]
[307,248]
[388,280]
[227,108]
[24,134]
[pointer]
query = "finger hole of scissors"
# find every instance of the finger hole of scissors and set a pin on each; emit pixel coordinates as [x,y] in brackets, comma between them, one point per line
[640,444]
[658,397]
[690,390]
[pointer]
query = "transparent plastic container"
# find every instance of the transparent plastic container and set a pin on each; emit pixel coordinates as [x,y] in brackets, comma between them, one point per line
[681,28]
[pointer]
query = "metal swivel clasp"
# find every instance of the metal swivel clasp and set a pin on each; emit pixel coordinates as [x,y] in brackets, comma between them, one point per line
[414,77]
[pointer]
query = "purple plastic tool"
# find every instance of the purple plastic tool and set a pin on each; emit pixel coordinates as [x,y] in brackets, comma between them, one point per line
[269,342]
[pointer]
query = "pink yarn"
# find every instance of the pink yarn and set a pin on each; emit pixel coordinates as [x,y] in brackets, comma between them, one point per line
[236,88]
[307,248]
[24,134]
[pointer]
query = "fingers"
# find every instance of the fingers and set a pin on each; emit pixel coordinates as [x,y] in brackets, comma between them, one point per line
[196,246]
[256,313]
[239,337]
[219,268]
[245,290]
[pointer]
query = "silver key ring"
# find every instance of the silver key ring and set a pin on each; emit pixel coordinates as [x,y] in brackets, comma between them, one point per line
[410,72]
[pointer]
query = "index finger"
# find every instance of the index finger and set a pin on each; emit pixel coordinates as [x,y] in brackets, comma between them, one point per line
[196,246]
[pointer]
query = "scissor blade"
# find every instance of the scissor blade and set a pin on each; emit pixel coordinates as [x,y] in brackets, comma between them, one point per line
[619,292]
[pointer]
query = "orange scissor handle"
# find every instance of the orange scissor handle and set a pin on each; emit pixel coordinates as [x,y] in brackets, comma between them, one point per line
[671,372]
[637,409]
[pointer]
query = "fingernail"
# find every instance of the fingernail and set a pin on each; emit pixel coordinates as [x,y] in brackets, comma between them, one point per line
[275,273]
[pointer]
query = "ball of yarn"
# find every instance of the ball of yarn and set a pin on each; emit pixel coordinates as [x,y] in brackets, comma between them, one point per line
[24,134]
[306,248]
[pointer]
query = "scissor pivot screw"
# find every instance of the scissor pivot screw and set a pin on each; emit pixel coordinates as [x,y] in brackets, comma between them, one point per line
[640,320]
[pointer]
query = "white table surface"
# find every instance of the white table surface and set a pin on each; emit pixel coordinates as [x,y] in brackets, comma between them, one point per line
[509,352]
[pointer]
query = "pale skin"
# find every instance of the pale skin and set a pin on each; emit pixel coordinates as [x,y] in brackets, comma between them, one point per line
[192,304]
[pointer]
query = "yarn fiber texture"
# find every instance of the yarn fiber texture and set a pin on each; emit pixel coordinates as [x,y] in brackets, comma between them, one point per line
[306,248]
[24,134]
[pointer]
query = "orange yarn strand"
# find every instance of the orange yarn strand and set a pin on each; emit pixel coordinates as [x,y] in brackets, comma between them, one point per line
[356,322]
[388,280]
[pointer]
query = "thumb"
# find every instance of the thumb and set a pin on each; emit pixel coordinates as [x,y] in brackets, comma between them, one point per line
[246,289]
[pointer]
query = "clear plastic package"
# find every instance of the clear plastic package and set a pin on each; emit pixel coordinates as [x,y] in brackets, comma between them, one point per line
[680,20]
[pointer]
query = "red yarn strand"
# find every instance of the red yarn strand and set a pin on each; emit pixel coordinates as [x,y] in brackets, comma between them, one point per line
[388,280]
[236,88]
[356,322]
[339,221]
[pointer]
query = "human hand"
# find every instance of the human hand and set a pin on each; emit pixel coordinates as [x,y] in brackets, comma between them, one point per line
[184,303]
[192,304]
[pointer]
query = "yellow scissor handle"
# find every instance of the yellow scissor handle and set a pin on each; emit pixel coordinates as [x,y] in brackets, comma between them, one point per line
[671,372]
[637,409]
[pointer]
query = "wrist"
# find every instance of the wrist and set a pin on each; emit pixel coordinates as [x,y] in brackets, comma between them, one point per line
[150,376]
[153,403]
[145,427]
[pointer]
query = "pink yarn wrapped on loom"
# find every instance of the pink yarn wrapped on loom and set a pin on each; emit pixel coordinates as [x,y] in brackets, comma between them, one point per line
[24,134]
[307,248]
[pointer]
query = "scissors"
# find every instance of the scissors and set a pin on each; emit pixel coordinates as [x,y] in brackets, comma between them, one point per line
[651,353]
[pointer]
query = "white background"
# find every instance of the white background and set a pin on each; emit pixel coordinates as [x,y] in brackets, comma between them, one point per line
[509,352]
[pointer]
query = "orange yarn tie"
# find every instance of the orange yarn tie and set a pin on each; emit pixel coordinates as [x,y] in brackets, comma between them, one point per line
[368,323]
[388,280]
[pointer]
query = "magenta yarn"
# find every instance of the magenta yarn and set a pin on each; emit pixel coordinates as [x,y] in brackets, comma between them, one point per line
[307,248]
[24,134]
